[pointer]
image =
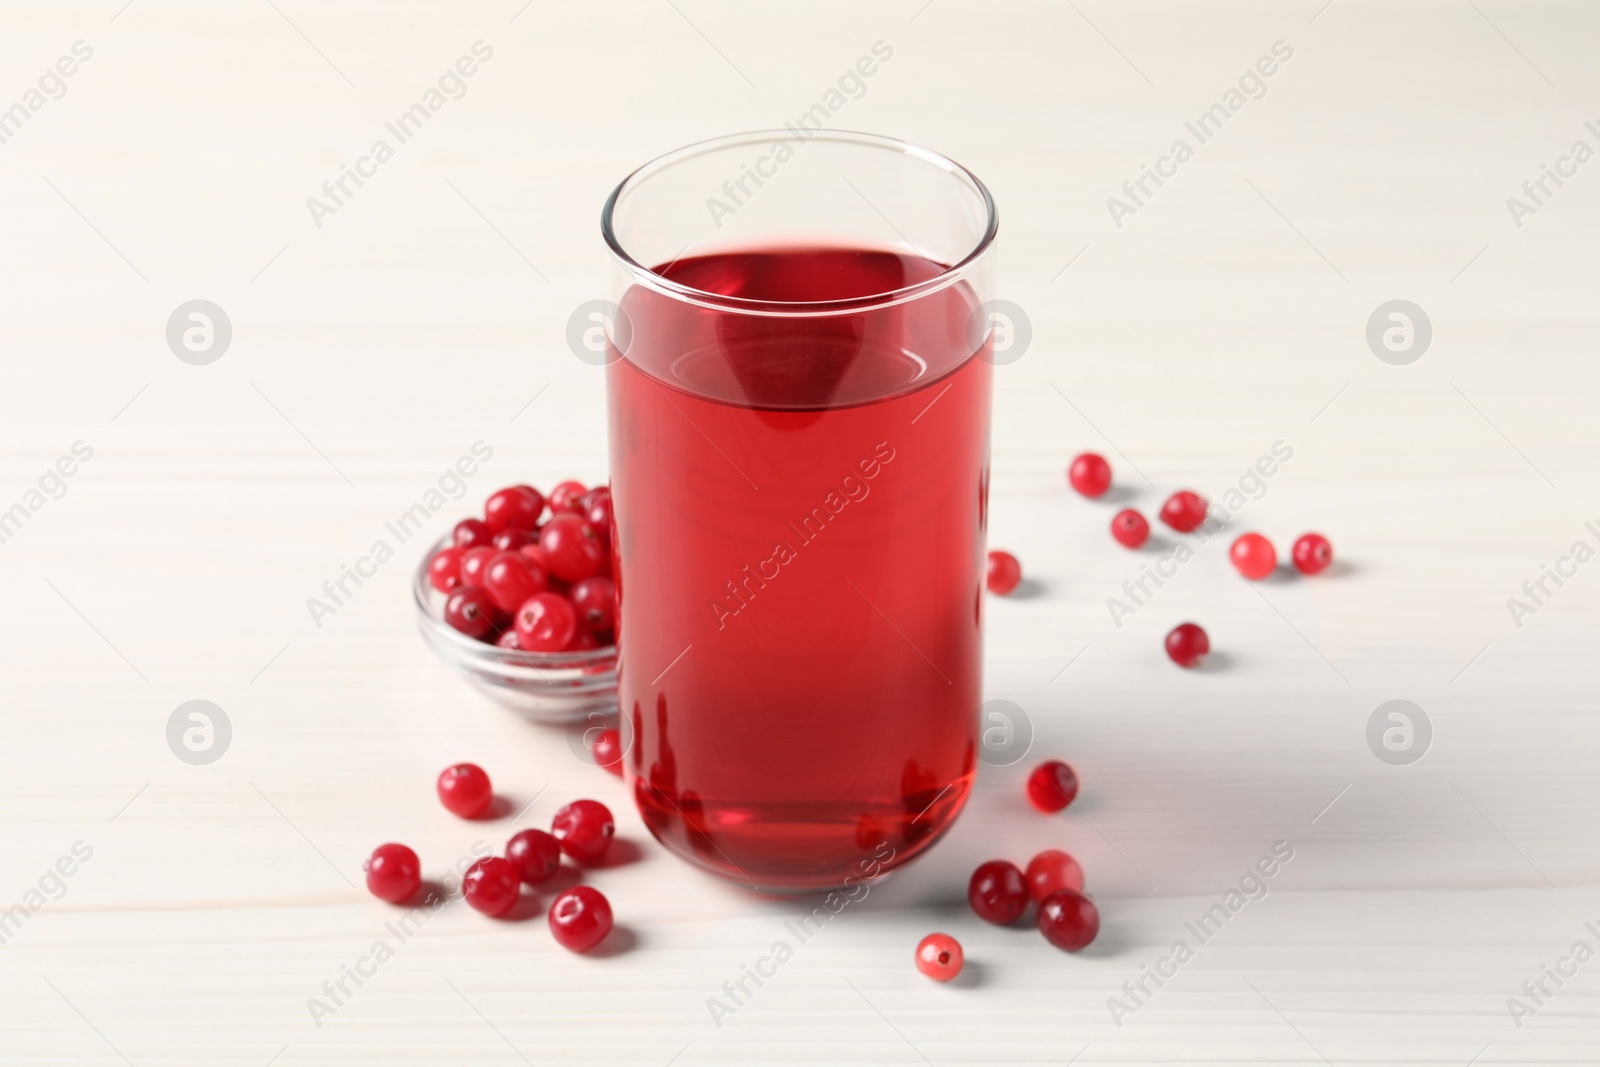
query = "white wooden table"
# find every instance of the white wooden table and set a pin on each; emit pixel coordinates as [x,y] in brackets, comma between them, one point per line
[428,312]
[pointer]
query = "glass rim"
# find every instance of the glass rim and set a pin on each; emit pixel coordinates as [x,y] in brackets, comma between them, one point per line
[648,277]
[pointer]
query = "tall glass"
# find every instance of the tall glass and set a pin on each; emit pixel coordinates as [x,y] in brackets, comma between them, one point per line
[799,390]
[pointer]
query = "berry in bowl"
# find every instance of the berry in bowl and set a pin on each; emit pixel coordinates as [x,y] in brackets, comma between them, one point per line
[523,605]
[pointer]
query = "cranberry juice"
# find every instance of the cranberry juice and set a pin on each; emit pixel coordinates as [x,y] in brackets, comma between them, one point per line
[800,507]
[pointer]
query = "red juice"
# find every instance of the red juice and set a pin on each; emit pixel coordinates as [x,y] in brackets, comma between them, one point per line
[800,513]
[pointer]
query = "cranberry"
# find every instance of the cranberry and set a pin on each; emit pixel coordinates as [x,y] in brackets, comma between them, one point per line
[1130,528]
[444,569]
[596,507]
[580,918]
[517,506]
[939,957]
[470,533]
[511,578]
[584,829]
[1090,474]
[1068,919]
[1253,556]
[491,885]
[1051,870]
[568,497]
[607,749]
[997,892]
[512,538]
[464,789]
[582,641]
[1052,786]
[469,610]
[1187,644]
[535,855]
[1184,511]
[595,600]
[545,623]
[535,553]
[1004,572]
[473,561]
[1312,554]
[509,639]
[393,873]
[572,547]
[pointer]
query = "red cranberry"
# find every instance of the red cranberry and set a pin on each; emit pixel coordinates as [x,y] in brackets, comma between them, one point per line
[491,885]
[584,829]
[464,789]
[997,892]
[512,538]
[568,497]
[517,506]
[595,600]
[1004,572]
[535,855]
[470,533]
[444,569]
[469,610]
[1052,786]
[1187,644]
[1184,511]
[939,957]
[596,507]
[1090,474]
[572,547]
[1051,870]
[1312,554]
[607,749]
[580,918]
[511,578]
[473,561]
[509,639]
[1068,919]
[582,641]
[1130,528]
[393,873]
[1253,556]
[545,622]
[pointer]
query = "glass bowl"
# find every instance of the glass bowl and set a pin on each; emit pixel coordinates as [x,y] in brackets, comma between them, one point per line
[548,687]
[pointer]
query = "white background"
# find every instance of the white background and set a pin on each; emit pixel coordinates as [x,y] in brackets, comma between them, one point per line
[1228,313]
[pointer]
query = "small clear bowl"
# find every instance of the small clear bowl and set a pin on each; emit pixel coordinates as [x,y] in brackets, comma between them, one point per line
[547,687]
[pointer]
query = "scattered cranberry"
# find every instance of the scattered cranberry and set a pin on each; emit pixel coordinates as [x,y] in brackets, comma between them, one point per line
[491,885]
[470,533]
[607,749]
[1068,919]
[997,892]
[473,561]
[1130,528]
[1187,644]
[1052,786]
[1050,871]
[464,789]
[1184,511]
[545,622]
[512,538]
[595,599]
[469,610]
[584,829]
[580,918]
[515,507]
[444,569]
[939,957]
[535,855]
[393,873]
[1004,572]
[571,547]
[510,579]
[1312,554]
[1253,556]
[567,497]
[1090,474]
